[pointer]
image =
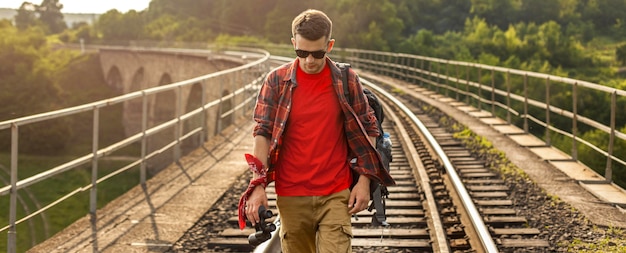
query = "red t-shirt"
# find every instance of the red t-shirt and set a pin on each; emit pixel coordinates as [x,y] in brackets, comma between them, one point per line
[313,159]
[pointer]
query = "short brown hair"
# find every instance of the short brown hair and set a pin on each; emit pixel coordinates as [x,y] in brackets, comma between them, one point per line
[312,25]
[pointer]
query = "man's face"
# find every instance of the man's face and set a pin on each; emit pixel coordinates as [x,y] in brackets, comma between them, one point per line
[310,64]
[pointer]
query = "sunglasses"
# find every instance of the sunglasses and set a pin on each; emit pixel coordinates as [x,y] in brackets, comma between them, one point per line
[319,54]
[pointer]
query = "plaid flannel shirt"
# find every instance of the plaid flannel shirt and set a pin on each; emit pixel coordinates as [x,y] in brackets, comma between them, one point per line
[274,103]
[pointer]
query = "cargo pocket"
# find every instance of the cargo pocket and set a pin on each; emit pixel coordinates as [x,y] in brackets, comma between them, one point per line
[347,229]
[344,244]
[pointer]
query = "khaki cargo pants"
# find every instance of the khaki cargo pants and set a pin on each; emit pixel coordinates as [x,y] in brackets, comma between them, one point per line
[322,219]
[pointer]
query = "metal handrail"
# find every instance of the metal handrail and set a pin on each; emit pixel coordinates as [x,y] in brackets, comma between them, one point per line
[246,90]
[421,70]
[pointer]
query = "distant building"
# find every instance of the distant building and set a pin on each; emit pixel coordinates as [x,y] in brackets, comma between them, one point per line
[7,13]
[70,18]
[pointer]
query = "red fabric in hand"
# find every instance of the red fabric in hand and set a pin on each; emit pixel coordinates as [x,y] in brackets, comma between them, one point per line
[256,166]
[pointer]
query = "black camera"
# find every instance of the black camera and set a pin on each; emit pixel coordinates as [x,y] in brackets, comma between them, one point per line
[263,228]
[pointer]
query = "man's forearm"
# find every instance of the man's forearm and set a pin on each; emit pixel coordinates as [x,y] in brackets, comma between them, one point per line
[261,149]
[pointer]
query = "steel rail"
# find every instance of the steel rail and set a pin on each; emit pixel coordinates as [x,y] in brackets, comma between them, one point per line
[438,235]
[477,220]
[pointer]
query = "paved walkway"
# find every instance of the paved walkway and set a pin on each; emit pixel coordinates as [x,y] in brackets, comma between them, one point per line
[151,219]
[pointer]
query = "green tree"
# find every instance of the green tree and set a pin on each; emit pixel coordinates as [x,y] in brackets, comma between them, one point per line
[26,16]
[29,88]
[605,14]
[50,15]
[422,43]
[538,11]
[497,12]
[367,25]
[116,26]
[277,26]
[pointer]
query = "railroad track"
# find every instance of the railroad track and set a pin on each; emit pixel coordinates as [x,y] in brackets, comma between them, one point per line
[486,188]
[426,212]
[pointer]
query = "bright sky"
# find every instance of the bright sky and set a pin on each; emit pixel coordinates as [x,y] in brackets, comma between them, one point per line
[86,6]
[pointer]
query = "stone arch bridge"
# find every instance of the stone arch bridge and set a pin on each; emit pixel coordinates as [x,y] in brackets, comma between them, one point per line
[128,70]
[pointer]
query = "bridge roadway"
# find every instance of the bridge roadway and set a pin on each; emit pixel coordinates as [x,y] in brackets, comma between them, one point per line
[151,219]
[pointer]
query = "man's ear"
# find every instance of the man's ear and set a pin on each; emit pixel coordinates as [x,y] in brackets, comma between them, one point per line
[331,43]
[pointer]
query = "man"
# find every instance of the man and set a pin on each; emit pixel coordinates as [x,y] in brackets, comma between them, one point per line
[306,133]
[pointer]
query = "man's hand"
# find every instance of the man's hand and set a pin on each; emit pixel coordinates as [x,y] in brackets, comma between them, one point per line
[256,199]
[360,195]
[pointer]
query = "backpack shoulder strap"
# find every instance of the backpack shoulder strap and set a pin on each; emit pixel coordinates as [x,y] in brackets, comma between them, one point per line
[344,78]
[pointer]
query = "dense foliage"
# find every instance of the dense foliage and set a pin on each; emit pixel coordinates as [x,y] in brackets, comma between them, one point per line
[551,36]
[48,15]
[574,38]
[37,78]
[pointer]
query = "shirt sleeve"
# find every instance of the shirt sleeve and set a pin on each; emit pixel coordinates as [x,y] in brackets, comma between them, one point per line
[361,106]
[265,107]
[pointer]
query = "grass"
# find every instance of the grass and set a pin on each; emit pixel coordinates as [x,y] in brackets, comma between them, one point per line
[614,241]
[41,194]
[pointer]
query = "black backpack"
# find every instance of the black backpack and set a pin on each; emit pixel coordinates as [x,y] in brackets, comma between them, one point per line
[378,192]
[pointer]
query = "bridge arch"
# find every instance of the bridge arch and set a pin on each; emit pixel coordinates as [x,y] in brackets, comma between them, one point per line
[134,108]
[162,108]
[194,100]
[137,80]
[114,79]
[130,70]
[226,106]
[164,104]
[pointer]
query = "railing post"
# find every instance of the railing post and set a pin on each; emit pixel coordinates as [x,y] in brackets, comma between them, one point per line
[12,234]
[508,97]
[575,120]
[438,78]
[218,117]
[480,89]
[405,69]
[548,142]
[608,173]
[203,116]
[493,93]
[93,193]
[447,76]
[467,82]
[236,80]
[178,126]
[387,61]
[423,71]
[371,57]
[456,67]
[525,103]
[379,59]
[361,57]
[430,74]
[144,138]
[395,67]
